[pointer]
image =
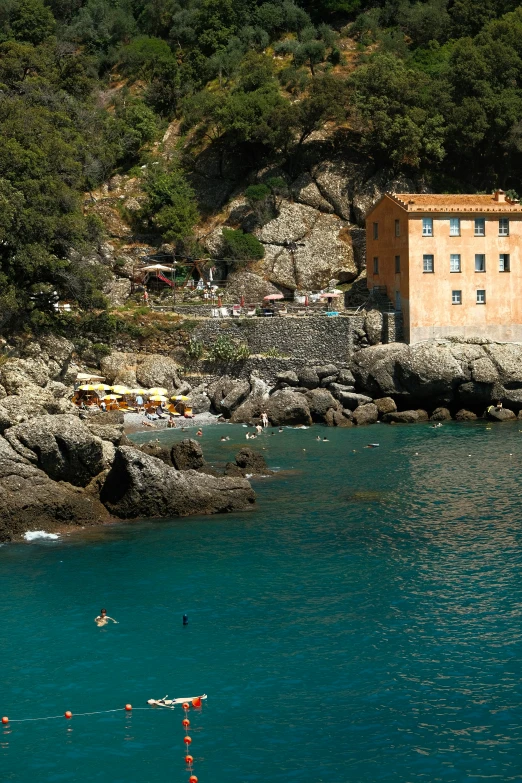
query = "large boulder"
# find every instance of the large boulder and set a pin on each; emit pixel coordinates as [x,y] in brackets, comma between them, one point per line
[158,370]
[30,500]
[368,192]
[319,402]
[200,403]
[218,390]
[61,446]
[139,485]
[440,414]
[116,364]
[187,455]
[326,371]
[385,405]
[287,378]
[248,463]
[106,425]
[507,360]
[465,415]
[288,407]
[500,414]
[308,378]
[237,395]
[324,248]
[366,414]
[401,417]
[351,400]
[249,285]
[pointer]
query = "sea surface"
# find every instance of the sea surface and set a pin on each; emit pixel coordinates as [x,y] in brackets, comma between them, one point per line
[362,624]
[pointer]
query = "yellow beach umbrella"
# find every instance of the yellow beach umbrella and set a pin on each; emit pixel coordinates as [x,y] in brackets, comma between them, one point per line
[158,398]
[102,387]
[87,387]
[180,398]
[112,397]
[121,390]
[158,390]
[139,391]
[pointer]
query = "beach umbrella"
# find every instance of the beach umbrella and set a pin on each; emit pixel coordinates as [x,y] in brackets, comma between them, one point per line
[87,387]
[141,392]
[158,390]
[156,268]
[330,295]
[102,387]
[112,397]
[271,297]
[242,301]
[85,376]
[179,398]
[121,390]
[306,301]
[158,398]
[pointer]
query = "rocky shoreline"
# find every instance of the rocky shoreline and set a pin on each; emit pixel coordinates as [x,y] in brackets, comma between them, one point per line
[62,466]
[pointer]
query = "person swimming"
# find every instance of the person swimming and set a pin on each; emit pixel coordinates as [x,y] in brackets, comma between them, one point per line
[103,619]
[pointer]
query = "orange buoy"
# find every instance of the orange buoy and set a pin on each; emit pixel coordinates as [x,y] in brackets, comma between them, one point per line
[196,702]
[185,722]
[189,759]
[187,740]
[68,714]
[5,720]
[193,779]
[185,705]
[128,707]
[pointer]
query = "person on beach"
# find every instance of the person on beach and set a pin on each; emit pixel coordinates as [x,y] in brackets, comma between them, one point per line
[103,619]
[264,419]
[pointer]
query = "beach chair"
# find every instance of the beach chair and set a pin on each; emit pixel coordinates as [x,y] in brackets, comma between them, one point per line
[301,312]
[251,312]
[236,311]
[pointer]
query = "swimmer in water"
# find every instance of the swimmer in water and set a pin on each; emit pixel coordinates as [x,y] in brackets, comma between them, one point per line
[199,432]
[103,619]
[318,437]
[325,440]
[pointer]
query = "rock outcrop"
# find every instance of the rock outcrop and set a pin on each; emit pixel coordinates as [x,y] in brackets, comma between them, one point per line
[140,486]
[248,463]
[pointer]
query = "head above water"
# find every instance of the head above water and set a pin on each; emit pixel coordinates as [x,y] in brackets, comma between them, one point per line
[103,611]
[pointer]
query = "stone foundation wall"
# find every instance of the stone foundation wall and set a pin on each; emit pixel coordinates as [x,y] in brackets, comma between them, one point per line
[318,338]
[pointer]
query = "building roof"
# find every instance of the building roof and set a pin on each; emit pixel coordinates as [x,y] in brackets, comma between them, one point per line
[447,202]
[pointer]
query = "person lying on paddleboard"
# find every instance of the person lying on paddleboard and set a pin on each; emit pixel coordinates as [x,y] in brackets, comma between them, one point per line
[166,702]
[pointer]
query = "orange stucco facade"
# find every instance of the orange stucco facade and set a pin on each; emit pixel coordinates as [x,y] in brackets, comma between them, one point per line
[451,264]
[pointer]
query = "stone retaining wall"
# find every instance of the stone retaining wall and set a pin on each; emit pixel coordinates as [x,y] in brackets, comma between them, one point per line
[306,338]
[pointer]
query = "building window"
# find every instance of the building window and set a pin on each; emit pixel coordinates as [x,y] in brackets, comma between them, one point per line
[397,264]
[456,297]
[503,227]
[397,228]
[427,227]
[427,263]
[481,297]
[455,262]
[503,262]
[376,231]
[480,227]
[375,265]
[454,227]
[480,262]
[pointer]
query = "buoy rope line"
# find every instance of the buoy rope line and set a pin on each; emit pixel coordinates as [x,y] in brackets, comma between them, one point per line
[185,704]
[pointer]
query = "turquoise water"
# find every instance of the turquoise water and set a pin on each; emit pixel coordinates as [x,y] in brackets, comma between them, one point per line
[363,624]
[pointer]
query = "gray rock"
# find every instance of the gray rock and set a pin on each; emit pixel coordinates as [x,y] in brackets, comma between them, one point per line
[484,371]
[465,415]
[352,400]
[385,405]
[115,364]
[338,390]
[371,190]
[338,418]
[237,395]
[319,402]
[61,446]
[401,417]
[253,287]
[440,414]
[306,191]
[507,359]
[259,389]
[157,370]
[141,486]
[373,326]
[200,403]
[187,455]
[155,449]
[366,414]
[422,414]
[289,377]
[475,393]
[500,414]
[30,500]
[107,426]
[345,378]
[325,382]
[325,370]
[287,407]
[218,390]
[117,291]
[308,378]
[248,463]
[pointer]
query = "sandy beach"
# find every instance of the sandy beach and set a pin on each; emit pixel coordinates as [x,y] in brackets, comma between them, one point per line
[137,422]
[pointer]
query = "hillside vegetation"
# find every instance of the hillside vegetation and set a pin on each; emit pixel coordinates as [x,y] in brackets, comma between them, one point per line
[88,88]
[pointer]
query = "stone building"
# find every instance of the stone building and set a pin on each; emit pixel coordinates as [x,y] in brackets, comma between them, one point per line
[451,264]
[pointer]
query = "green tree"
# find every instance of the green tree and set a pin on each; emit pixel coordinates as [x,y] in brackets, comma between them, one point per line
[240,248]
[31,21]
[171,203]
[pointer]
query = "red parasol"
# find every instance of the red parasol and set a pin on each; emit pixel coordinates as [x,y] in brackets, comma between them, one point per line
[242,301]
[219,302]
[306,301]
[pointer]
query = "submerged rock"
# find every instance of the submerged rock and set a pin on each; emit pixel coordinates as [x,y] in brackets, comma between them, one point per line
[248,462]
[141,486]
